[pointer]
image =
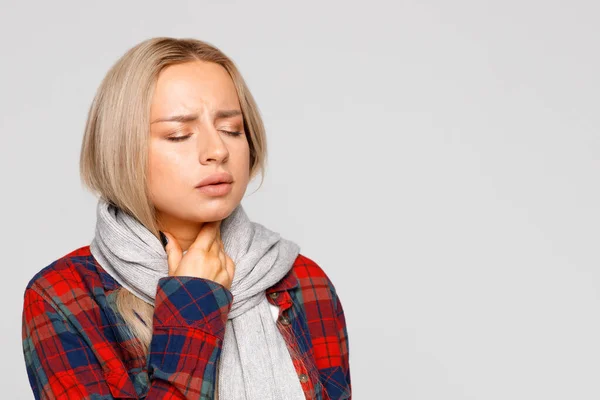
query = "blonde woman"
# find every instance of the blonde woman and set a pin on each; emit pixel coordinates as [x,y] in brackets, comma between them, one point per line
[180,295]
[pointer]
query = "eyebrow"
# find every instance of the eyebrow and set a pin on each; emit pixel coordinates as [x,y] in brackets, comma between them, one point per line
[221,114]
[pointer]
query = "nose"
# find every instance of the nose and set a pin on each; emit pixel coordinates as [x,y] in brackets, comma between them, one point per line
[212,147]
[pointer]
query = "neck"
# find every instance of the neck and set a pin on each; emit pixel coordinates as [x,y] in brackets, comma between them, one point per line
[185,232]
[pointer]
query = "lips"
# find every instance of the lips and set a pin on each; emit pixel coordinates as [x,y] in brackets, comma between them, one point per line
[215,179]
[219,189]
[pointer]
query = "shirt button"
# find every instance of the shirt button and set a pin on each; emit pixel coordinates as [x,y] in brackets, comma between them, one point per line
[274,295]
[303,378]
[284,320]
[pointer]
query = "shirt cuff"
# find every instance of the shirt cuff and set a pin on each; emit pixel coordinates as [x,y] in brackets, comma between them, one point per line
[191,302]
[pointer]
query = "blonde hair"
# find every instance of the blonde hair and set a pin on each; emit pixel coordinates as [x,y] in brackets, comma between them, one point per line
[114,151]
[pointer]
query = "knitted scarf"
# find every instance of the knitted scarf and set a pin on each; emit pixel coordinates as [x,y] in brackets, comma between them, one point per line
[255,363]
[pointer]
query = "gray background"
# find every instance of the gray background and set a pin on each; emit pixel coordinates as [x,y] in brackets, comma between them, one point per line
[439,159]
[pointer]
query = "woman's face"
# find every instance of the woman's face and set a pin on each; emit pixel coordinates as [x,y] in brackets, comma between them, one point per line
[193,112]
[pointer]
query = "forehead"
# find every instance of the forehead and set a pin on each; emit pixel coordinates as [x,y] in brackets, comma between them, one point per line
[193,86]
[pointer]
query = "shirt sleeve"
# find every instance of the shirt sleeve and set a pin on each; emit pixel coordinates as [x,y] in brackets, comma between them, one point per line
[343,338]
[188,329]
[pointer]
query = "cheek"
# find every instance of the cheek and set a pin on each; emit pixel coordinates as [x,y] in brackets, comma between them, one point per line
[243,161]
[164,168]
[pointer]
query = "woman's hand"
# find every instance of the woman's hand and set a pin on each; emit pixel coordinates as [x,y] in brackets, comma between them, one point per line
[205,258]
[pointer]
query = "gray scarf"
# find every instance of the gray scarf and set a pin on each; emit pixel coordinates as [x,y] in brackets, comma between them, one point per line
[255,363]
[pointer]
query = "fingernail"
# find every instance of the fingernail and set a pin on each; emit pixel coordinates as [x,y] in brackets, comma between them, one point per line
[163,239]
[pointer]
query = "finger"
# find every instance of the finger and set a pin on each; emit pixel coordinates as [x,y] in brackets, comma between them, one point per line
[230,266]
[206,237]
[174,253]
[218,243]
[223,259]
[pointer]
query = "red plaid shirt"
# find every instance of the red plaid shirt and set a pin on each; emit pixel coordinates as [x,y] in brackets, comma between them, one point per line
[74,350]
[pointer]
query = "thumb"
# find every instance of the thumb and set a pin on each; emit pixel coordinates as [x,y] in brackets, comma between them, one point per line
[174,253]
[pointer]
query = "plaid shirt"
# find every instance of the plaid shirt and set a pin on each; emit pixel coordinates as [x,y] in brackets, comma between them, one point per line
[74,347]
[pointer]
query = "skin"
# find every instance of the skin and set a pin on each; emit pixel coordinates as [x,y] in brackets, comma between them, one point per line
[176,167]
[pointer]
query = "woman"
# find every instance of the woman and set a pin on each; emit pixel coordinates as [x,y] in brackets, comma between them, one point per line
[179,294]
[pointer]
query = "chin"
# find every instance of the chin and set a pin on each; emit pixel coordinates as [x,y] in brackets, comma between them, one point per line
[200,209]
[213,210]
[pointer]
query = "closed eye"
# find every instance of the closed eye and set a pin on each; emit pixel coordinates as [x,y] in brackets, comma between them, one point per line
[182,138]
[230,133]
[178,138]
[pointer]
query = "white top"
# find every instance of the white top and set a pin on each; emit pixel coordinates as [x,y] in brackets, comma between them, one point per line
[274,311]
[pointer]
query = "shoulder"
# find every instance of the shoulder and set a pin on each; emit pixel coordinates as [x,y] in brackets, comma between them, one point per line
[313,281]
[66,278]
[308,271]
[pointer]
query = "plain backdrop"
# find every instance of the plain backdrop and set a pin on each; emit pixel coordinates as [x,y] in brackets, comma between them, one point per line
[438,159]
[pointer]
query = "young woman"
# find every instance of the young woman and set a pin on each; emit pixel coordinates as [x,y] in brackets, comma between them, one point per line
[179,295]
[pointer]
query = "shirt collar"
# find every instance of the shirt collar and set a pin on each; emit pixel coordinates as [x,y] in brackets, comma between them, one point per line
[288,282]
[107,280]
